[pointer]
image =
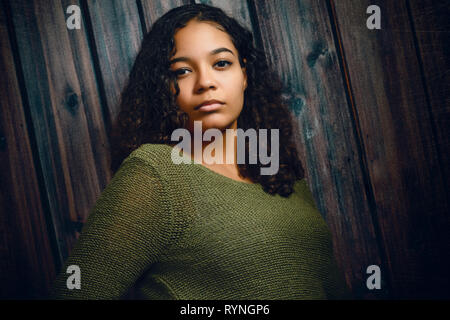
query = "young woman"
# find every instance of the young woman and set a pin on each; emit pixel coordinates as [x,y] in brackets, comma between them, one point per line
[202,230]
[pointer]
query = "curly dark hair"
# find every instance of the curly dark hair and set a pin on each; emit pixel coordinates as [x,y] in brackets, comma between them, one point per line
[149,113]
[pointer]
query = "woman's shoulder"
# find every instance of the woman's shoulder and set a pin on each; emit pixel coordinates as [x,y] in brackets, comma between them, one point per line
[157,158]
[152,153]
[142,165]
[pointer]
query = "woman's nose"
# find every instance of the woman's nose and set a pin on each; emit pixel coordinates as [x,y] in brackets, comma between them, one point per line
[205,80]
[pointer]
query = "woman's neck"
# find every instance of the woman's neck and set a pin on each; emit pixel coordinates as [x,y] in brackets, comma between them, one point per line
[222,150]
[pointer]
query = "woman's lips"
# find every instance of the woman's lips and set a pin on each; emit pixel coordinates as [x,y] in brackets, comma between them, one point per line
[210,107]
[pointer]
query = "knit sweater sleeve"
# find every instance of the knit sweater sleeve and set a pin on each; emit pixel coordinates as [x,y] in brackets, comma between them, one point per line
[124,234]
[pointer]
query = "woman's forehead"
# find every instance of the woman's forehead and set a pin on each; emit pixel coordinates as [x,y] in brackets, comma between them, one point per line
[200,36]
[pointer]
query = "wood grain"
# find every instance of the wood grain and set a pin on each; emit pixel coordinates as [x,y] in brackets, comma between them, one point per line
[27,263]
[65,112]
[152,10]
[235,8]
[431,24]
[117,33]
[402,160]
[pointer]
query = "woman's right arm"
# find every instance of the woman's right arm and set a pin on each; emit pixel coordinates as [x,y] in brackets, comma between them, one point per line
[125,232]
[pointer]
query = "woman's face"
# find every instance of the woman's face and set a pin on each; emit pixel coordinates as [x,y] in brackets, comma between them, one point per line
[207,67]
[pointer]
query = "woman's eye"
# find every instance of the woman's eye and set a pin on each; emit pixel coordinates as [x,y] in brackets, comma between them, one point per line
[179,72]
[224,61]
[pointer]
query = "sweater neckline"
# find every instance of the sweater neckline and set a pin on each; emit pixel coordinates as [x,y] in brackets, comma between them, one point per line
[217,175]
[225,178]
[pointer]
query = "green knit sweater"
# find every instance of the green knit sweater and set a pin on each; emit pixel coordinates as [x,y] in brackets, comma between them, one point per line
[186,232]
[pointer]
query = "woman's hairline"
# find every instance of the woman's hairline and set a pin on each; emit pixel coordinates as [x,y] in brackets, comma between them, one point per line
[216,24]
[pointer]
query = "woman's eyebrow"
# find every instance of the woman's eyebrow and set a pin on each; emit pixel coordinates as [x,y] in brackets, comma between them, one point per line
[215,51]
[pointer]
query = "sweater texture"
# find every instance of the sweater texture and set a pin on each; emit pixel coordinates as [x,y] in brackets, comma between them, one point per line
[183,231]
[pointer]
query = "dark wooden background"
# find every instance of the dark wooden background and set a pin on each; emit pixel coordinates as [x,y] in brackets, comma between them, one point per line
[372,110]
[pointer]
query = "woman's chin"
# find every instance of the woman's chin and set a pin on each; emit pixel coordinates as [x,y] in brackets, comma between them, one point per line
[210,123]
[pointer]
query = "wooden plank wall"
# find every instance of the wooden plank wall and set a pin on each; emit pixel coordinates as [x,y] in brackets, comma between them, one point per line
[397,124]
[26,259]
[371,107]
